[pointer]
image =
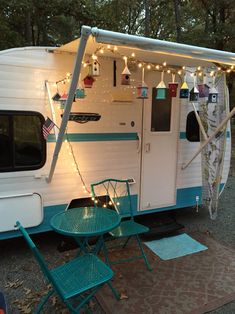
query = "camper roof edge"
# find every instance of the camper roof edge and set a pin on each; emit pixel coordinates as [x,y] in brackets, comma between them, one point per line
[85,33]
[189,51]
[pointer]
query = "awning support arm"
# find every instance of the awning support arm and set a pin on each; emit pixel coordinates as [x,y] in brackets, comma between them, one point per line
[85,33]
[200,122]
[52,108]
[218,129]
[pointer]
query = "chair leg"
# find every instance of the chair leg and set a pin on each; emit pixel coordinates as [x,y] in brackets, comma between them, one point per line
[143,253]
[114,291]
[125,244]
[43,301]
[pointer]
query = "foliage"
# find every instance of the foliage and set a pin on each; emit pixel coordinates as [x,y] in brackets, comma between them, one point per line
[48,23]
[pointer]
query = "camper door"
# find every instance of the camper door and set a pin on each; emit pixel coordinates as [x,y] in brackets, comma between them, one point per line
[159,151]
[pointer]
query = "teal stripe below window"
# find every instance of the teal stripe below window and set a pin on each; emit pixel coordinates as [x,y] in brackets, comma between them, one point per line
[97,137]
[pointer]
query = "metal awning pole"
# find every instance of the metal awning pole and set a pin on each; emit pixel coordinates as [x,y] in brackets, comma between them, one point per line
[52,109]
[218,129]
[85,33]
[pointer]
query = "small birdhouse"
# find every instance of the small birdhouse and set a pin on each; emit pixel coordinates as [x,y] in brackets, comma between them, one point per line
[88,81]
[184,90]
[80,93]
[173,86]
[56,97]
[194,94]
[126,77]
[161,91]
[213,95]
[62,100]
[142,91]
[203,90]
[94,68]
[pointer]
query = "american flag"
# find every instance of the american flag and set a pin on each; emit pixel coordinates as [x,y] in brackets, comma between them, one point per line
[47,127]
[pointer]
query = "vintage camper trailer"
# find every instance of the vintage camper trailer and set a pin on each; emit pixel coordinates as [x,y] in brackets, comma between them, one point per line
[106,131]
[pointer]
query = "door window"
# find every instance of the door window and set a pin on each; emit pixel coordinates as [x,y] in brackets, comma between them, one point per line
[161,113]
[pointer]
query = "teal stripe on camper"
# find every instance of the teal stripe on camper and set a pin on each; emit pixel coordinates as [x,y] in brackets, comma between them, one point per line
[183,135]
[185,198]
[97,137]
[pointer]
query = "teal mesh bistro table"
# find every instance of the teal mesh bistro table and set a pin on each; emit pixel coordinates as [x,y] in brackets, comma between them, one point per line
[83,223]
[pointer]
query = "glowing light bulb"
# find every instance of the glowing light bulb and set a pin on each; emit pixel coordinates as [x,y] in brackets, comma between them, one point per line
[219,69]
[148,66]
[109,47]
[93,198]
[118,203]
[83,187]
[96,201]
[168,71]
[200,73]
[140,65]
[101,50]
[94,57]
[232,67]
[133,54]
[115,48]
[157,67]
[164,64]
[228,71]
[104,205]
[199,68]
[183,67]
[179,72]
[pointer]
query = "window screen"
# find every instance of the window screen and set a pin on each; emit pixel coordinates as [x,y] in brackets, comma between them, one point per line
[22,146]
[161,113]
[192,128]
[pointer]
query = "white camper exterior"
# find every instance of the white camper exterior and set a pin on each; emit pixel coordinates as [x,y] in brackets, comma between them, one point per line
[122,144]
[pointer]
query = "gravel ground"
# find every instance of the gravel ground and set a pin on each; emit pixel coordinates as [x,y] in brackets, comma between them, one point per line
[23,283]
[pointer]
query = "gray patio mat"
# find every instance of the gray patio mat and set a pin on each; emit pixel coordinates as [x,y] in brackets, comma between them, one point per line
[191,284]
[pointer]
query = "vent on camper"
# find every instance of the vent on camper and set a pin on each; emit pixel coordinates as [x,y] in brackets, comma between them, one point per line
[83,117]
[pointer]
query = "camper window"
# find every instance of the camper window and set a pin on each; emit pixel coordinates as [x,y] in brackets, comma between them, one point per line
[161,113]
[22,144]
[192,128]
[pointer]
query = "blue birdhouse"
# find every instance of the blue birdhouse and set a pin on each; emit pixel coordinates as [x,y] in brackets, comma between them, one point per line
[142,91]
[184,91]
[161,91]
[80,93]
[194,94]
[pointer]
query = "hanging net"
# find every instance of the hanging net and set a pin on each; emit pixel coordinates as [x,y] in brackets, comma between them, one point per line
[212,156]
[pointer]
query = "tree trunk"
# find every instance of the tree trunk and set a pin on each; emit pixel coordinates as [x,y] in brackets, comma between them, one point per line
[147,18]
[177,19]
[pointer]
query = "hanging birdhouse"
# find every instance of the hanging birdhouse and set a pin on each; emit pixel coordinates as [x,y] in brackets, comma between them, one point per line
[194,94]
[142,89]
[213,95]
[125,79]
[173,86]
[184,91]
[161,89]
[203,90]
[88,81]
[56,97]
[80,93]
[62,100]
[94,68]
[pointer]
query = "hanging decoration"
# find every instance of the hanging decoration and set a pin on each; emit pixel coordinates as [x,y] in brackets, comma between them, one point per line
[203,88]
[88,81]
[194,93]
[184,90]
[213,153]
[161,88]
[213,93]
[62,100]
[125,79]
[142,89]
[94,66]
[173,86]
[80,92]
[56,97]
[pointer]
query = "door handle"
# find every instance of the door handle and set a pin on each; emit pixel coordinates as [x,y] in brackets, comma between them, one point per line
[139,143]
[147,147]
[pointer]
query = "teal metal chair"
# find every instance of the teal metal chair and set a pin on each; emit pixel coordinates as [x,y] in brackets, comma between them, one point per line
[81,277]
[117,195]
